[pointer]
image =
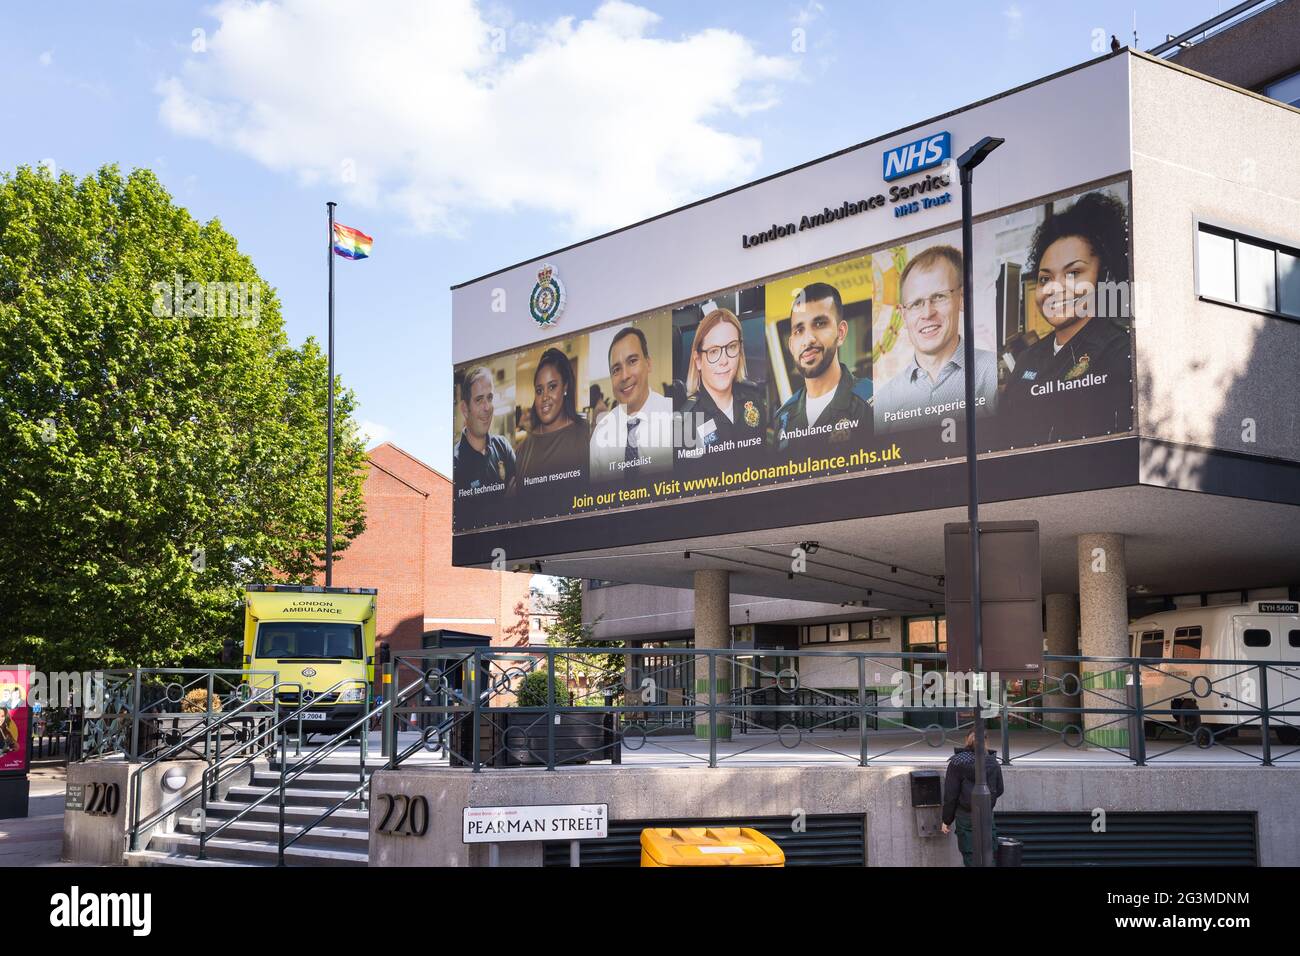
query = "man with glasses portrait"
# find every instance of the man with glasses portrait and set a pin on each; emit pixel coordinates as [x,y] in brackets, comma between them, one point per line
[932,386]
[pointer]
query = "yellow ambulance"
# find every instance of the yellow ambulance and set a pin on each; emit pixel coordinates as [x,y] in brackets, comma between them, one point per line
[317,637]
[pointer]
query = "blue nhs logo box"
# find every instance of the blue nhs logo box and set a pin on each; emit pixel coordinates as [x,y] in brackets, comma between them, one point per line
[914,157]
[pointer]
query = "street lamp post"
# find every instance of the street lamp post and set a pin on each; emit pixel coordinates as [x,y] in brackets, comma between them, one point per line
[981,804]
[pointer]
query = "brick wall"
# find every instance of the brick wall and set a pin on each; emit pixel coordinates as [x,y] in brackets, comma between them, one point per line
[405,552]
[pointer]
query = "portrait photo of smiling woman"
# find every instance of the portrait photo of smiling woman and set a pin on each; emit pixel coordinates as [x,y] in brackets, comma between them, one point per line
[556,439]
[726,406]
[1076,382]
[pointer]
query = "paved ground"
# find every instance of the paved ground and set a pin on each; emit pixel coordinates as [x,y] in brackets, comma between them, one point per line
[38,839]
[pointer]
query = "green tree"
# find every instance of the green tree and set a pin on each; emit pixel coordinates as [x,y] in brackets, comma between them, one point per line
[569,630]
[157,452]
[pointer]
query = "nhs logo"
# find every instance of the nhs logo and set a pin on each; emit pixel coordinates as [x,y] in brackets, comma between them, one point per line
[914,157]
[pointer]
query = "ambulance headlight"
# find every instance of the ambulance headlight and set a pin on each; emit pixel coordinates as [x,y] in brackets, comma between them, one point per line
[353,696]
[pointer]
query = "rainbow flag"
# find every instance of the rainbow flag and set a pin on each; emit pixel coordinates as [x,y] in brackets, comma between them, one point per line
[351,243]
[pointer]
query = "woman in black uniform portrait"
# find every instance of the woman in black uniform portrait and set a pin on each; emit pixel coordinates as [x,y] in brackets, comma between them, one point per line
[1076,382]
[726,406]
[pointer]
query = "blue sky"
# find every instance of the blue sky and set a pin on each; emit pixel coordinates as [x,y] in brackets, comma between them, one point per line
[467,136]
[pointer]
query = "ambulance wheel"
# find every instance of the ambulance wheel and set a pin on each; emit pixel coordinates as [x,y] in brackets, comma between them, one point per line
[1290,736]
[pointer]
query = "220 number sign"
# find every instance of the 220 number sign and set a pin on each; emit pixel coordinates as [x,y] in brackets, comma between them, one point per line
[413,818]
[104,800]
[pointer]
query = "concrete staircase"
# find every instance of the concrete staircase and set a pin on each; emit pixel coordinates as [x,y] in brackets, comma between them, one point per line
[342,839]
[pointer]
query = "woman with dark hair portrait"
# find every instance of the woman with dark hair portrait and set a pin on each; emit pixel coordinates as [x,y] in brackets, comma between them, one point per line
[1077,381]
[726,406]
[557,439]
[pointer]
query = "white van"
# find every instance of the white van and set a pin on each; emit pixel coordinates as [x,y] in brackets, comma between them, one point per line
[1260,631]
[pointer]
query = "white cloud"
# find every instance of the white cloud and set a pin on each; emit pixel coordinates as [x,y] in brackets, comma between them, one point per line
[373,433]
[809,12]
[437,112]
[1015,18]
[46,58]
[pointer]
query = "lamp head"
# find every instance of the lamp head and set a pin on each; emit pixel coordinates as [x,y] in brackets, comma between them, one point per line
[977,153]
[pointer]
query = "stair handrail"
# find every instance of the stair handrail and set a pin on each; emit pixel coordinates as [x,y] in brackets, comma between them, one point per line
[201,787]
[316,756]
[219,773]
[184,743]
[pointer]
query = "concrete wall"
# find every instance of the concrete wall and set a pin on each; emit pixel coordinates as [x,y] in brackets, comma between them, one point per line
[101,840]
[1203,150]
[882,795]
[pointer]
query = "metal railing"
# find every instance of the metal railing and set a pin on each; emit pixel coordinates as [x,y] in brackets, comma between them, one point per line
[130,720]
[262,705]
[273,735]
[853,706]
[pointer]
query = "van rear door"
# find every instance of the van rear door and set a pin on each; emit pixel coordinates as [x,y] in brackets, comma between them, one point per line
[1269,637]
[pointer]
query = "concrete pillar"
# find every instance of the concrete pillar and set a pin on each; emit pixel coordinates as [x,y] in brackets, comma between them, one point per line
[1103,632]
[1062,638]
[713,630]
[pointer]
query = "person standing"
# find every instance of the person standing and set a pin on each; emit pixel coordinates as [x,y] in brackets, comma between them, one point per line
[958,787]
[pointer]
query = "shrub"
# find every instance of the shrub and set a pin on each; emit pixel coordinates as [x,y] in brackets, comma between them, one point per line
[196,702]
[532,691]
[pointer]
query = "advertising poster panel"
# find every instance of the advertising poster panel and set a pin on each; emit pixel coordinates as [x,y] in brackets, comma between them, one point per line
[839,369]
[15,714]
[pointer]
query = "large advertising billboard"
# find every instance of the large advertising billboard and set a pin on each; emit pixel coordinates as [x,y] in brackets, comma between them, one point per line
[842,368]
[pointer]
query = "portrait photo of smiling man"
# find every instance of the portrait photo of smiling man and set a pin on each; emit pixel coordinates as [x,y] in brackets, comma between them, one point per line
[480,460]
[932,386]
[636,438]
[826,409]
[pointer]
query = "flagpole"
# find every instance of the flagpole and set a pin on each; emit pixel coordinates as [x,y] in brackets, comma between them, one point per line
[329,431]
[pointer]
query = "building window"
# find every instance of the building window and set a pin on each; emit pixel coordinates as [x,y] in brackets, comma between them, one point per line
[842,632]
[1216,262]
[1287,89]
[1248,271]
[928,635]
[1187,643]
[1152,644]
